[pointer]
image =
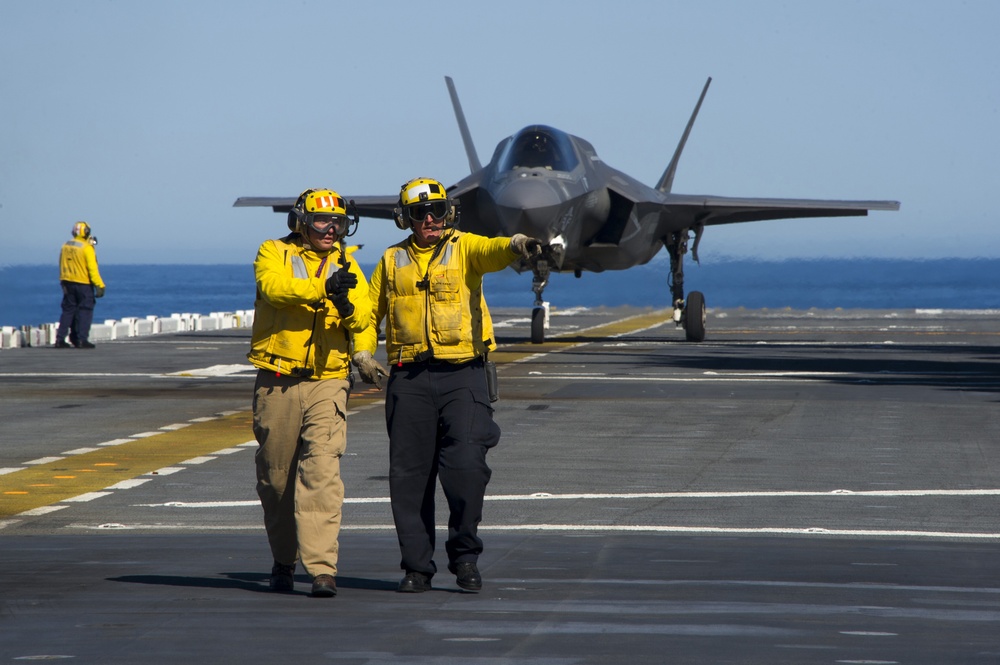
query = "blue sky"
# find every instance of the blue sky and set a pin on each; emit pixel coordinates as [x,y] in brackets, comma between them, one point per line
[148,119]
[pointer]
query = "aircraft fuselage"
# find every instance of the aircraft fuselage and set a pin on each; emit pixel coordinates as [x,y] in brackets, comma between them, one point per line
[550,185]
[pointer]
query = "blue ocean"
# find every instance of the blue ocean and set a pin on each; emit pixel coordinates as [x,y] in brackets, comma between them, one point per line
[30,294]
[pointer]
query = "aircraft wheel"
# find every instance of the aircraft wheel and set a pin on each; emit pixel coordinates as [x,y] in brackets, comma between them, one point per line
[694,317]
[538,325]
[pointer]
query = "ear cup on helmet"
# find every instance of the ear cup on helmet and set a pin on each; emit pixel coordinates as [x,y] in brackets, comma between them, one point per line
[82,230]
[397,216]
[295,214]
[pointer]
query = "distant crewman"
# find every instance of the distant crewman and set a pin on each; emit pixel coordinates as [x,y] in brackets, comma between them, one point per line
[81,285]
[311,299]
[429,290]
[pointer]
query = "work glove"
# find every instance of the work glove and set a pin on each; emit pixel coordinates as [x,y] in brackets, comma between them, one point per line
[98,291]
[527,247]
[343,304]
[337,287]
[369,368]
[341,281]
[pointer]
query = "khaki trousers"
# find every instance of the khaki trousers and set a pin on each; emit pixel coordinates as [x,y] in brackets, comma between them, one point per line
[301,428]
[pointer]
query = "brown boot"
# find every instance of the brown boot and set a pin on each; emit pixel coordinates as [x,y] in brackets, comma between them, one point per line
[324,586]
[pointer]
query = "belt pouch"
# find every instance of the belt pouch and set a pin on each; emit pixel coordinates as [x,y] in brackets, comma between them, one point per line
[491,380]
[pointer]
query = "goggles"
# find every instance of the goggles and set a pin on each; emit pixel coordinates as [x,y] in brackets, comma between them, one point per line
[419,211]
[322,223]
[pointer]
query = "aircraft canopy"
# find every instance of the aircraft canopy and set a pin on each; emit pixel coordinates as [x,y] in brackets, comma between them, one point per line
[539,146]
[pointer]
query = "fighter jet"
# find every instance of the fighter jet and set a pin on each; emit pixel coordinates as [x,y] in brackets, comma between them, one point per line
[551,185]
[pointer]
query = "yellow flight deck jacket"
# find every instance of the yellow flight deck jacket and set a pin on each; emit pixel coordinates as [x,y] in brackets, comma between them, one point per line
[435,308]
[78,263]
[296,329]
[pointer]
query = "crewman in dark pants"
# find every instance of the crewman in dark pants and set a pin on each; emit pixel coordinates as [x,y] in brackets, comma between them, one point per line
[429,289]
[81,283]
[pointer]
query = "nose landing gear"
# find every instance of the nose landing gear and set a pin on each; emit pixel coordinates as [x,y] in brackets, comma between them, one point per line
[540,312]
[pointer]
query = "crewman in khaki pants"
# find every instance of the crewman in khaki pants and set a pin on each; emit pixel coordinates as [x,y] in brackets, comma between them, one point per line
[310,300]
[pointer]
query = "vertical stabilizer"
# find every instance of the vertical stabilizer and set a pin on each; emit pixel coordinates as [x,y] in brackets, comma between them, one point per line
[667,179]
[463,127]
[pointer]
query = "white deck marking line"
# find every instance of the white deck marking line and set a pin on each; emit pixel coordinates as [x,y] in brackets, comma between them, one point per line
[134,437]
[165,471]
[541,496]
[128,484]
[215,371]
[87,375]
[723,495]
[88,496]
[544,496]
[44,460]
[813,376]
[596,528]
[43,510]
[201,459]
[116,442]
[788,531]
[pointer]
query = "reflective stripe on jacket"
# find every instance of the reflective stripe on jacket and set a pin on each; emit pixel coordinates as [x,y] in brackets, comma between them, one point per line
[296,330]
[444,316]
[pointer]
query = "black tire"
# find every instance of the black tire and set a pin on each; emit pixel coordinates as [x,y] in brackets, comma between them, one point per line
[694,317]
[538,325]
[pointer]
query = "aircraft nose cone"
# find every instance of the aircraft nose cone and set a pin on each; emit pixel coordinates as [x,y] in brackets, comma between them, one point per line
[529,191]
[528,204]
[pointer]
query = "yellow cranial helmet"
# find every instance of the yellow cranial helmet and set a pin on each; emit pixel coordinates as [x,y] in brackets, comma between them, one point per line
[81,230]
[420,197]
[321,210]
[323,200]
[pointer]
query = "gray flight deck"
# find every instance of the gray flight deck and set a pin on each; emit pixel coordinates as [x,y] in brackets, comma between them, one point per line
[803,487]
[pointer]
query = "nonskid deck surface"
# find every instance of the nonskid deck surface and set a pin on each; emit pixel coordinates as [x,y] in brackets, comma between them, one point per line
[803,487]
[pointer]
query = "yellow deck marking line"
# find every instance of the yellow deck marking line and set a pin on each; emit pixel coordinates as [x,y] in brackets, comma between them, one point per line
[32,488]
[516,352]
[61,480]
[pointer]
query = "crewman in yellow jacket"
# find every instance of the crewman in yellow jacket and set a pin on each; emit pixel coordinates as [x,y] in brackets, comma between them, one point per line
[429,290]
[311,301]
[81,283]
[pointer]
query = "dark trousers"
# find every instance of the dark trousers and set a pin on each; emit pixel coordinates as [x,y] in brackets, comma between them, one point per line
[440,424]
[77,312]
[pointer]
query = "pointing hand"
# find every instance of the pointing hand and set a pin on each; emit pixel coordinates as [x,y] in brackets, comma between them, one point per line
[341,281]
[527,247]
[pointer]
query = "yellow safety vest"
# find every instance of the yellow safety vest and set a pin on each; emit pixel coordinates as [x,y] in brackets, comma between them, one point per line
[440,314]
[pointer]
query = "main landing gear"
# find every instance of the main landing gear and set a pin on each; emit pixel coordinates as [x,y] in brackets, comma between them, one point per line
[689,313]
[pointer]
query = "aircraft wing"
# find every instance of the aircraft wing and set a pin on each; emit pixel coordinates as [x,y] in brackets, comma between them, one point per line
[378,207]
[275,203]
[712,210]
